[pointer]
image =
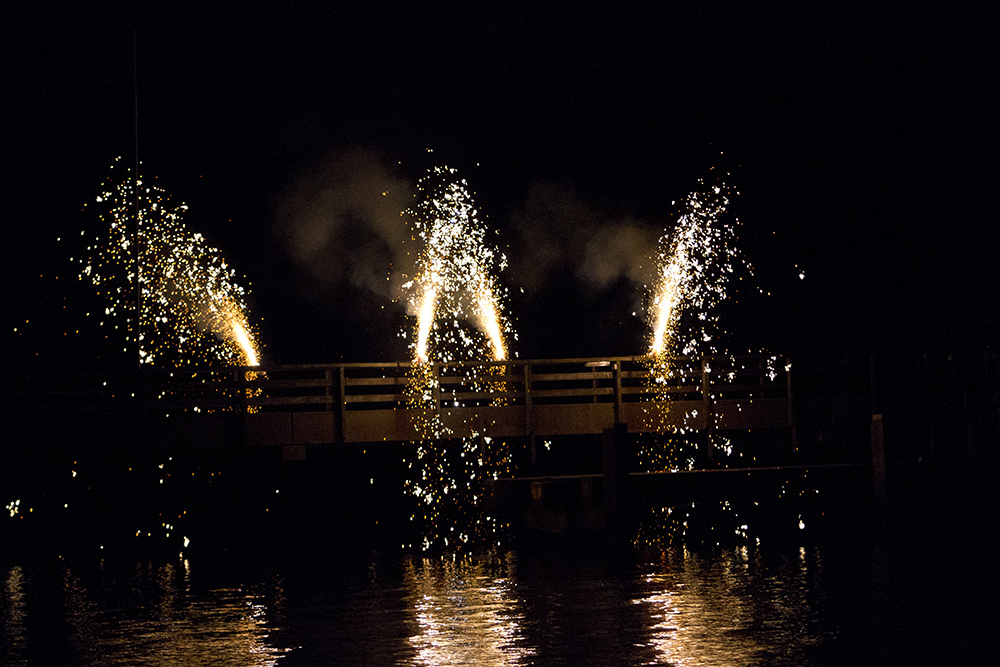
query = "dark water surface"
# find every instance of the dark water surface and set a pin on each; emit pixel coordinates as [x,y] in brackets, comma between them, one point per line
[310,589]
[780,605]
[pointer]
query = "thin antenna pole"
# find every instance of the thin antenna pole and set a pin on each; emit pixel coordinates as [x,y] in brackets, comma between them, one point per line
[138,215]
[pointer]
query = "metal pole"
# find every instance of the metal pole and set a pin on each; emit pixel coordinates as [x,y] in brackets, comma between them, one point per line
[706,398]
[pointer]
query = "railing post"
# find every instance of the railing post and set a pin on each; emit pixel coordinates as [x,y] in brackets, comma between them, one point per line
[241,382]
[328,389]
[342,426]
[616,369]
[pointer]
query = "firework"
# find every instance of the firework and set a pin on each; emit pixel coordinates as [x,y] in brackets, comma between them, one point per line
[694,263]
[458,319]
[454,284]
[693,266]
[190,307]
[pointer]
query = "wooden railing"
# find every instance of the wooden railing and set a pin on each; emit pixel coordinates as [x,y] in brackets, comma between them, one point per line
[372,402]
[351,387]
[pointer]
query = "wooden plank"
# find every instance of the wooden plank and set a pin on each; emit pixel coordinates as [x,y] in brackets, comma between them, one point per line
[588,391]
[269,428]
[287,384]
[374,398]
[287,400]
[478,379]
[479,395]
[558,377]
[313,428]
[368,382]
[689,389]
[193,403]
[581,418]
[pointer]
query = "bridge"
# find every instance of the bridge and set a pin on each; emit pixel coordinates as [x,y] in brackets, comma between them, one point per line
[306,405]
[816,416]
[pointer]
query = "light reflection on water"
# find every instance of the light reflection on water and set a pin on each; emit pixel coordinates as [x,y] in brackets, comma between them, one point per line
[151,619]
[716,612]
[467,613]
[14,615]
[734,606]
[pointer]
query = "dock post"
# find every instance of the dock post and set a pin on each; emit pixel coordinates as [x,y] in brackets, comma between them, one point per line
[878,472]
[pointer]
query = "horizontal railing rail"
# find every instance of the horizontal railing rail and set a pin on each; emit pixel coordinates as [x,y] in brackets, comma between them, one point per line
[349,387]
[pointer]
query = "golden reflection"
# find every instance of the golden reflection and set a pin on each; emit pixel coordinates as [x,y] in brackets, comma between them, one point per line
[466,612]
[697,614]
[15,617]
[226,626]
[710,612]
[167,625]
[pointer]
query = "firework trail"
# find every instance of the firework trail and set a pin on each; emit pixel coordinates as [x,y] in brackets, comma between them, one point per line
[191,309]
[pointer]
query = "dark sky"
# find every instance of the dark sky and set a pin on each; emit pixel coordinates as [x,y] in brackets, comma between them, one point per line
[863,143]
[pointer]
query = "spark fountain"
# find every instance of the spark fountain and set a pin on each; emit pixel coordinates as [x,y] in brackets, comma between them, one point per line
[694,263]
[458,320]
[693,266]
[190,308]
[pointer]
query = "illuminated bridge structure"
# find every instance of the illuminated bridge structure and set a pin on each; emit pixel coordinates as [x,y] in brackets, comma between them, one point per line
[307,405]
[816,418]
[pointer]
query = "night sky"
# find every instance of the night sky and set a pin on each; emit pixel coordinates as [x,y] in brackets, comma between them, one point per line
[863,143]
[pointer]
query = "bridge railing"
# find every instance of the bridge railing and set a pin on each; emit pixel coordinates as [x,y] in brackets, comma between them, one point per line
[348,387]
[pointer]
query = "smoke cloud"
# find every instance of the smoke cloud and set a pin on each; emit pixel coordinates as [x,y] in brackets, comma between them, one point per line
[341,222]
[557,232]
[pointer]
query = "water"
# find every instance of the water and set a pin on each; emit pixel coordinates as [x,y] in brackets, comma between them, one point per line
[782,605]
[95,570]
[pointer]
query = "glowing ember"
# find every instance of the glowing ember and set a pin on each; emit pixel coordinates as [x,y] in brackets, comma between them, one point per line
[191,309]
